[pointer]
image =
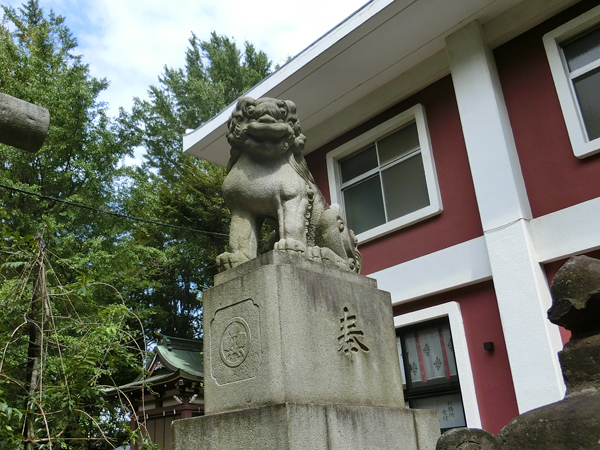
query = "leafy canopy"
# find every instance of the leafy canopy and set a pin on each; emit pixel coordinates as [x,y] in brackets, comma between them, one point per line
[178,188]
[148,276]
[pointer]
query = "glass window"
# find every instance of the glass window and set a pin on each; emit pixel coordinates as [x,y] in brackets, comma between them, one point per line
[385,181]
[385,178]
[573,51]
[429,373]
[583,50]
[582,56]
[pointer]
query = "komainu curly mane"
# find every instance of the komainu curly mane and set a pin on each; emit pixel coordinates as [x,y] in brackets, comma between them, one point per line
[268,179]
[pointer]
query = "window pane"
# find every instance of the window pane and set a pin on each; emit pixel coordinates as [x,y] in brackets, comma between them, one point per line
[588,93]
[446,339]
[415,371]
[399,143]
[432,354]
[401,358]
[405,187]
[364,205]
[449,407]
[582,51]
[358,164]
[430,371]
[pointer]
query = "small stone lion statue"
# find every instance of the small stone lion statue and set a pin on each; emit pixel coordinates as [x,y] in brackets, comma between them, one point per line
[268,179]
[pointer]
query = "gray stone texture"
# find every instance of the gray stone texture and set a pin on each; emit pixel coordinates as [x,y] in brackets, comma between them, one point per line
[268,180]
[467,439]
[22,124]
[277,332]
[576,296]
[291,426]
[574,422]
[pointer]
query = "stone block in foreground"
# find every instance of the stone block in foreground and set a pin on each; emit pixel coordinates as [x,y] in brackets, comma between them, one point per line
[292,426]
[283,329]
[300,355]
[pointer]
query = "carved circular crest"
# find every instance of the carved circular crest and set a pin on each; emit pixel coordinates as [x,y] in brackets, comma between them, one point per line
[235,342]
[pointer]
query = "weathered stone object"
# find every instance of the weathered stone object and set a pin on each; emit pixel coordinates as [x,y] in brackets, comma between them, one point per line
[576,297]
[22,125]
[574,422]
[301,356]
[268,180]
[291,426]
[278,332]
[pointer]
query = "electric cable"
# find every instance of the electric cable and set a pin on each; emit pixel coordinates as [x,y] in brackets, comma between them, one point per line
[112,213]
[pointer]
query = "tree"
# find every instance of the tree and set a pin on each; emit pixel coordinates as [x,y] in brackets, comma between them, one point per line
[150,275]
[80,158]
[61,337]
[215,74]
[59,348]
[180,189]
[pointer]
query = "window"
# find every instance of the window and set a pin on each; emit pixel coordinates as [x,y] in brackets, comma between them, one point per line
[429,373]
[385,179]
[436,369]
[574,55]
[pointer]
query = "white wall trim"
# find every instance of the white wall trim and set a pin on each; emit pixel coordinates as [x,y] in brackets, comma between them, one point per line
[495,168]
[461,351]
[569,104]
[521,286]
[523,298]
[519,282]
[416,113]
[570,231]
[453,267]
[561,234]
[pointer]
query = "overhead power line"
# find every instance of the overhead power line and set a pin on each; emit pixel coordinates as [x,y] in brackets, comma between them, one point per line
[112,213]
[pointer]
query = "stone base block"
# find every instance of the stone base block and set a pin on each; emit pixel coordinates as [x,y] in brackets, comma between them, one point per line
[291,426]
[283,329]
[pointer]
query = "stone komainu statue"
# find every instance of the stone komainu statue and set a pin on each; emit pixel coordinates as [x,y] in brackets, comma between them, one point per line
[268,179]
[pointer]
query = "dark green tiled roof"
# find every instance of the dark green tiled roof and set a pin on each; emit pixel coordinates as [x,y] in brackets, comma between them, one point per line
[174,358]
[181,354]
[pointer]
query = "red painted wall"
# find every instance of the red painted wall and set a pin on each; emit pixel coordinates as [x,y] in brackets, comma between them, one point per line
[491,371]
[554,177]
[459,220]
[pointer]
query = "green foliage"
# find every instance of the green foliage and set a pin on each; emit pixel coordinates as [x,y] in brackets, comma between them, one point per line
[149,276]
[83,346]
[160,272]
[182,190]
[79,160]
[215,74]
[88,334]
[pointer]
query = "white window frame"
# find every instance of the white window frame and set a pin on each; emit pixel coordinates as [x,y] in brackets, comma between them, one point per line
[417,114]
[461,352]
[582,146]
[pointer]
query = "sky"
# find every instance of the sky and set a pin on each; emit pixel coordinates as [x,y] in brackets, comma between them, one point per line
[130,41]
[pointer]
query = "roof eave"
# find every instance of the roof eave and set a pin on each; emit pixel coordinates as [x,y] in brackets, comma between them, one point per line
[330,105]
[208,141]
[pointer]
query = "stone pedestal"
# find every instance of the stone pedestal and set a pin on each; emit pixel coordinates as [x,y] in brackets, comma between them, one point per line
[300,355]
[310,427]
